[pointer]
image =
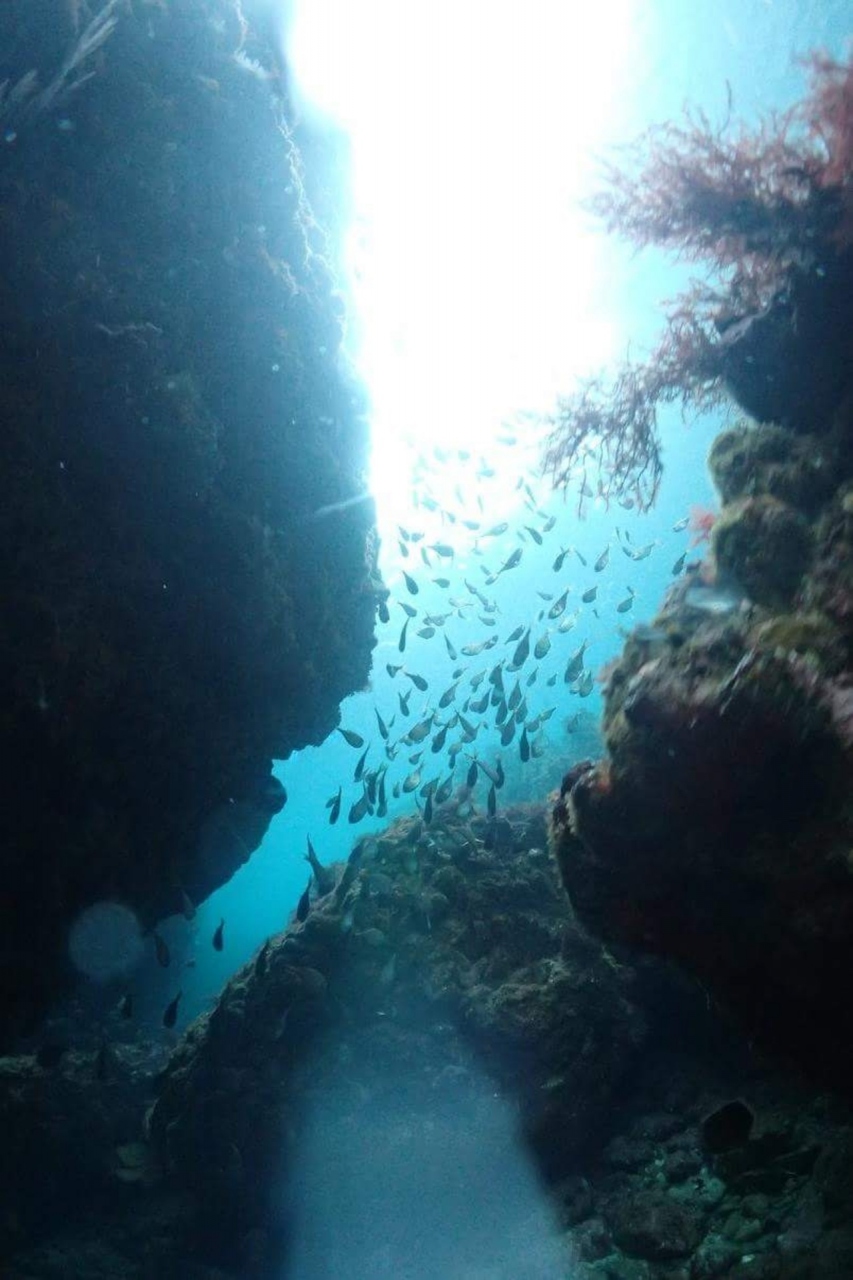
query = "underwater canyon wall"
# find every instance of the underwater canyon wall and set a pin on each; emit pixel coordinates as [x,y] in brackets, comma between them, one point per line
[176,414]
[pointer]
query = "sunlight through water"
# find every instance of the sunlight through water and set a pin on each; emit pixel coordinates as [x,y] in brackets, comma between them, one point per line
[478,285]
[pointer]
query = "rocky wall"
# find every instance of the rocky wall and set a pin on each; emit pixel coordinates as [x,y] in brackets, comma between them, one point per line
[176,412]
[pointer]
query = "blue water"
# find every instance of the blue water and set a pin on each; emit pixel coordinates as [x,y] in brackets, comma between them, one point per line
[702,53]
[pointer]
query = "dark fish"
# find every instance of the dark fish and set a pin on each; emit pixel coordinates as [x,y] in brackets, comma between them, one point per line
[585,684]
[471,776]
[439,739]
[408,609]
[640,553]
[392,669]
[468,729]
[589,595]
[382,805]
[450,650]
[679,564]
[420,732]
[601,562]
[383,728]
[499,772]
[575,664]
[358,772]
[628,603]
[125,1005]
[524,746]
[535,534]
[428,807]
[492,801]
[359,809]
[352,739]
[404,550]
[522,649]
[582,559]
[442,549]
[382,610]
[502,711]
[401,643]
[480,705]
[219,936]
[515,635]
[164,958]
[559,605]
[426,633]
[445,791]
[448,695]
[681,524]
[404,702]
[412,782]
[187,906]
[334,807]
[411,586]
[324,878]
[370,781]
[303,906]
[170,1014]
[558,563]
[417,681]
[442,582]
[496,530]
[727,1127]
[512,561]
[514,697]
[508,733]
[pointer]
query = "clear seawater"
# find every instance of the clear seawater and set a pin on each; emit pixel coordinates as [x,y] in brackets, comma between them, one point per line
[478,291]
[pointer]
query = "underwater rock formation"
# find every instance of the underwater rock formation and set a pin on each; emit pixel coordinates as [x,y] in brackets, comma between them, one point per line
[717,830]
[183,600]
[435,964]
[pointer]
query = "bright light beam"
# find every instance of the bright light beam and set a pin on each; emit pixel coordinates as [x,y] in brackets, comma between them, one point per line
[479,285]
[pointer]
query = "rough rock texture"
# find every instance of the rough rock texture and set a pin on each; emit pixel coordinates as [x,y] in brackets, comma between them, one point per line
[718,829]
[654,1205]
[174,412]
[85,1193]
[440,962]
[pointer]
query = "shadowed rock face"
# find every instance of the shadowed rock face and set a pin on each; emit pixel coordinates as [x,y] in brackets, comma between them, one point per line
[718,829]
[175,409]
